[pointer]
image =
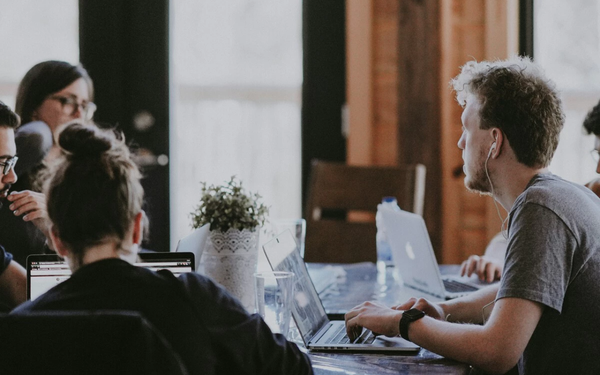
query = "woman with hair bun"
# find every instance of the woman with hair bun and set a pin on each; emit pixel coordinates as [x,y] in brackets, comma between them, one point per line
[95,209]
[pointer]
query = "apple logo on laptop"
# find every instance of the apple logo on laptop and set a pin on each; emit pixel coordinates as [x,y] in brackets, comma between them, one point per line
[409,251]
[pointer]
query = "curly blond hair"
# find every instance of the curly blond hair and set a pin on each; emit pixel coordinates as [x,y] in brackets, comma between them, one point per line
[517,98]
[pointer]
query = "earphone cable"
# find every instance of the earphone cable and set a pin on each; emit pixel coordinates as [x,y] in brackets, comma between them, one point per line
[503,228]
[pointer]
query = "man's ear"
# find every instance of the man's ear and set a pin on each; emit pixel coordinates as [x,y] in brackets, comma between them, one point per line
[138,228]
[498,140]
[59,246]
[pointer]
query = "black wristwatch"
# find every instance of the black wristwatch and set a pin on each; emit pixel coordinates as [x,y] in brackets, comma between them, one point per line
[408,317]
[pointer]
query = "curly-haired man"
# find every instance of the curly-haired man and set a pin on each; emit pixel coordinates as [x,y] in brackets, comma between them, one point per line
[547,304]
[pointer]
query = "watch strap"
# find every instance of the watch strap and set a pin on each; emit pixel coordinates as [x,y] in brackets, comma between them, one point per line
[408,317]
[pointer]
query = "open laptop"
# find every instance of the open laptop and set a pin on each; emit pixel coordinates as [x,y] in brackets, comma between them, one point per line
[317,331]
[44,271]
[194,243]
[414,258]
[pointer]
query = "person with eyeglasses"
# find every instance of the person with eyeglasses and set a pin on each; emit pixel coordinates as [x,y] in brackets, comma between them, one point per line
[51,94]
[12,275]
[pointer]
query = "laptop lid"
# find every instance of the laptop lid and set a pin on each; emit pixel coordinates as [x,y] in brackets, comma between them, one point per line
[308,312]
[412,252]
[44,271]
[194,243]
[307,309]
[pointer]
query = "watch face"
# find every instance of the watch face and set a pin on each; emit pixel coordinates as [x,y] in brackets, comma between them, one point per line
[413,314]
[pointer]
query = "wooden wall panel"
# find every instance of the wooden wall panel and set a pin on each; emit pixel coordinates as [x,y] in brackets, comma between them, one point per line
[414,48]
[385,84]
[359,86]
[477,30]
[419,135]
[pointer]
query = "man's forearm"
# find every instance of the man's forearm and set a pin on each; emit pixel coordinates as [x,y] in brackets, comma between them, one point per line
[462,342]
[470,309]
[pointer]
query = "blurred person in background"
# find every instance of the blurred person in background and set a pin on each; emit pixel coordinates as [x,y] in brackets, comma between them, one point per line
[50,94]
[12,275]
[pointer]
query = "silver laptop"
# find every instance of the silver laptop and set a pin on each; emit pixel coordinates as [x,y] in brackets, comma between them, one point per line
[44,271]
[414,258]
[317,331]
[194,243]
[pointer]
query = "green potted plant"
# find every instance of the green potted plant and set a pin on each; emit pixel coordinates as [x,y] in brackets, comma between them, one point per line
[231,251]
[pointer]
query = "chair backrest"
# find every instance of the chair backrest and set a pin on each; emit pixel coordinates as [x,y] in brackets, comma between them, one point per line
[100,342]
[340,188]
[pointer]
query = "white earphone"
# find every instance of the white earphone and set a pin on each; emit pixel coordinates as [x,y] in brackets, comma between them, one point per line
[492,149]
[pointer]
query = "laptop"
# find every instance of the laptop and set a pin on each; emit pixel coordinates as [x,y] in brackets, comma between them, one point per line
[317,331]
[414,258]
[194,243]
[45,271]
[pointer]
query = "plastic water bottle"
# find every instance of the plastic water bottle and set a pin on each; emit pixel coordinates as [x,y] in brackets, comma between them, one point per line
[384,251]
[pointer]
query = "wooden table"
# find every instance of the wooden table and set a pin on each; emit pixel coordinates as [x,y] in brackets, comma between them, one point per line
[342,287]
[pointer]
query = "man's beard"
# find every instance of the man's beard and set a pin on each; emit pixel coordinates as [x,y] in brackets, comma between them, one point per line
[479,182]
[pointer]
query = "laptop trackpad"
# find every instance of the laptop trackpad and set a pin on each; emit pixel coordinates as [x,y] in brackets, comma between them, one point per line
[384,342]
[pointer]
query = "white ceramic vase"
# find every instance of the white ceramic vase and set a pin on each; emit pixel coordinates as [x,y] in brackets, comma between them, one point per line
[230,259]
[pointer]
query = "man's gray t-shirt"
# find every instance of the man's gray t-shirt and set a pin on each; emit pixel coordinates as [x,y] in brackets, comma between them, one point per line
[553,258]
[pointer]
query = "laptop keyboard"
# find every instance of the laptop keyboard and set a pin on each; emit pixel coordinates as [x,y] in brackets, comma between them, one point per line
[454,286]
[340,337]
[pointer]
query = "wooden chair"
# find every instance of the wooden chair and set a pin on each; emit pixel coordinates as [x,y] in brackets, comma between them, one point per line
[338,192]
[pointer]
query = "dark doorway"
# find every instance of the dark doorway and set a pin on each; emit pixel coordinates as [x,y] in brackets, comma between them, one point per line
[324,84]
[124,46]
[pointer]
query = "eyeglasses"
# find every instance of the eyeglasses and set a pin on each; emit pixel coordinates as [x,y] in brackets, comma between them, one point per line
[595,155]
[70,106]
[8,165]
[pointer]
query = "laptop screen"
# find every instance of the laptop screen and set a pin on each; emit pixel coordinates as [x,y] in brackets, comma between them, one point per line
[308,311]
[46,271]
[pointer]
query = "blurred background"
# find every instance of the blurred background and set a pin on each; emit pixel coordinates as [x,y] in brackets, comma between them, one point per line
[207,89]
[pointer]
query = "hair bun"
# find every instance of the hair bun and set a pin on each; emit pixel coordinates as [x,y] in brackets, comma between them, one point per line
[83,141]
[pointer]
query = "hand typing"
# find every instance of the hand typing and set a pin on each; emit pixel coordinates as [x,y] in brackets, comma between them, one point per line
[431,309]
[374,316]
[486,268]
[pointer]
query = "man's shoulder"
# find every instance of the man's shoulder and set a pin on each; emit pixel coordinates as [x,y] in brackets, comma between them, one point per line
[199,283]
[205,289]
[554,192]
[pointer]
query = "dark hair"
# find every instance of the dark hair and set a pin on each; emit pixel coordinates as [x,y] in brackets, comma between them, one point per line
[94,192]
[8,118]
[45,79]
[592,121]
[517,98]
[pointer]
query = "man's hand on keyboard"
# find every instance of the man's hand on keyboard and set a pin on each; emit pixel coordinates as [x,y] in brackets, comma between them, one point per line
[486,268]
[431,309]
[374,316]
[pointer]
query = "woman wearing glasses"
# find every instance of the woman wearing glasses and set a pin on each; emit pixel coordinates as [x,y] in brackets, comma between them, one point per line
[51,94]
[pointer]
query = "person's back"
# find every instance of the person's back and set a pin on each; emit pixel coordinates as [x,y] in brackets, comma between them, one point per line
[208,328]
[94,204]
